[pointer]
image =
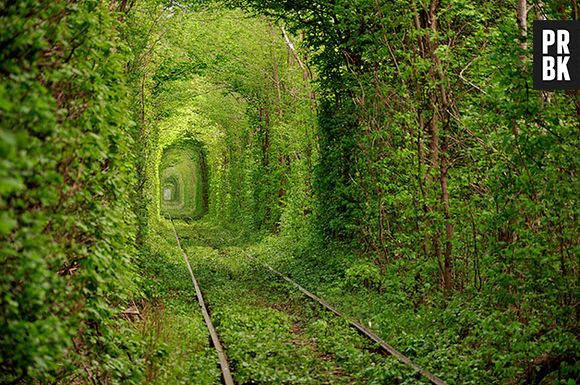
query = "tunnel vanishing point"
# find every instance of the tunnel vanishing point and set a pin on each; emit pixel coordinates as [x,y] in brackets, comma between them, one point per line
[183,180]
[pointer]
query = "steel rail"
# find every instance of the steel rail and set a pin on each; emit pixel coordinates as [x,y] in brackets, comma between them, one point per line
[226,373]
[357,325]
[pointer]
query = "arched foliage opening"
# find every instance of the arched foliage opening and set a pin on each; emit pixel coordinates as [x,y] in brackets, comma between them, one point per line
[183,188]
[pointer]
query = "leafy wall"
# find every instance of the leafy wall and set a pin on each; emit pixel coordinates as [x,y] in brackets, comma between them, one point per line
[66,176]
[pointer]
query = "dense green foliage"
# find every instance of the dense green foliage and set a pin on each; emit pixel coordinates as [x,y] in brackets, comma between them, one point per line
[441,165]
[433,146]
[250,109]
[389,155]
[447,176]
[66,227]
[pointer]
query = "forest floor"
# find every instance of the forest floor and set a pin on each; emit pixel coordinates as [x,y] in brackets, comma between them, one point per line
[271,333]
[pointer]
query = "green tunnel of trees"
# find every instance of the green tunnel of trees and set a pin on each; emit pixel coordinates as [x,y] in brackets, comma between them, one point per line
[391,149]
[183,180]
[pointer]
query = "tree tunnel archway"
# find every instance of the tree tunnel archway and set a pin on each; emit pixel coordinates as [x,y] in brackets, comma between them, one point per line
[183,176]
[171,190]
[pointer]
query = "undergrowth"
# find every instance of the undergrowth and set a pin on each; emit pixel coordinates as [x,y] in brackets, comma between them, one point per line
[466,338]
[178,349]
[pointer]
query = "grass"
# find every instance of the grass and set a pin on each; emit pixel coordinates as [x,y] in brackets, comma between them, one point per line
[271,332]
[462,340]
[178,348]
[274,335]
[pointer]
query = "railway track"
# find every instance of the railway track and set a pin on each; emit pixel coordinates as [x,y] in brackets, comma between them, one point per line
[223,360]
[226,373]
